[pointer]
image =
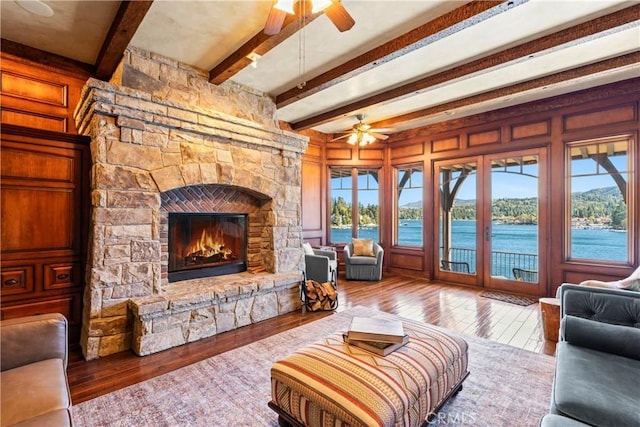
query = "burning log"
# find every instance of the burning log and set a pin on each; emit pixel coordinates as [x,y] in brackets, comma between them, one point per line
[320,296]
[209,249]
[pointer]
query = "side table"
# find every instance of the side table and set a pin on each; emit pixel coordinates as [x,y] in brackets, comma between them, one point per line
[550,312]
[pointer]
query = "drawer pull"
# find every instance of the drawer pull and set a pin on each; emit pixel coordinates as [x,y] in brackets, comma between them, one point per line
[11,282]
[62,276]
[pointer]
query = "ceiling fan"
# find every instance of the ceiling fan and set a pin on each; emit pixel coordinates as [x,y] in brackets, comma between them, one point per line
[334,10]
[362,134]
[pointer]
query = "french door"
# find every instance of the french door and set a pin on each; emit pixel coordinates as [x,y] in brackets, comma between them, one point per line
[491,224]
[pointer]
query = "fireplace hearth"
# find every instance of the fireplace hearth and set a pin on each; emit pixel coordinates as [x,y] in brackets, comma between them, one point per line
[206,244]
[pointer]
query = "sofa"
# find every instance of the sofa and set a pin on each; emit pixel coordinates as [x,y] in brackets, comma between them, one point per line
[597,374]
[33,377]
[363,260]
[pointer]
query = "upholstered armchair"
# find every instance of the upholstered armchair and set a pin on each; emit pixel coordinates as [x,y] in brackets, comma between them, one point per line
[363,260]
[320,265]
[33,360]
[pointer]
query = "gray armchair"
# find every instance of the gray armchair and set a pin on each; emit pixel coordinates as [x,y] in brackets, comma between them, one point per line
[359,267]
[321,265]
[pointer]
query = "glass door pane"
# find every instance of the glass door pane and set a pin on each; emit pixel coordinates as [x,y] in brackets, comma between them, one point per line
[512,236]
[341,205]
[368,204]
[458,218]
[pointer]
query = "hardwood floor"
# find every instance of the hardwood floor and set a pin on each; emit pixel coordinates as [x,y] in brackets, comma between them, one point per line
[454,307]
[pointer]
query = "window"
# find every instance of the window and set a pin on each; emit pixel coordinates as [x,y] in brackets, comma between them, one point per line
[409,206]
[599,203]
[341,212]
[350,187]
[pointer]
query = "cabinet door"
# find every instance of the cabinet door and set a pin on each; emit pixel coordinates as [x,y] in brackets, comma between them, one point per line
[40,199]
[43,197]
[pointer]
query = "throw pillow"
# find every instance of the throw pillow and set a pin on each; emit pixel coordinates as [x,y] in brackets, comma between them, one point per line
[600,284]
[631,283]
[308,250]
[363,247]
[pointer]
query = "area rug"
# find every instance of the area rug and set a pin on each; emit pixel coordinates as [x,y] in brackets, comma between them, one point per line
[510,298]
[507,386]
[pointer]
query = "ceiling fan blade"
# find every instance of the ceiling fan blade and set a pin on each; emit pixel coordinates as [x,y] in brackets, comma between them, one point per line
[274,21]
[339,16]
[378,135]
[340,137]
[384,130]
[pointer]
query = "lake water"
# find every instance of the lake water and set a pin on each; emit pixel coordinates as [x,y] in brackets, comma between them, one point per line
[587,244]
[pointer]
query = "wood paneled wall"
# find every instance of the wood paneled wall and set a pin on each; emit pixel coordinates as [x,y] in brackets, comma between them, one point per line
[38,97]
[314,182]
[44,188]
[599,112]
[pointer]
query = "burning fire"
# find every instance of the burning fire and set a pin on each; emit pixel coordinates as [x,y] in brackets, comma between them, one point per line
[209,246]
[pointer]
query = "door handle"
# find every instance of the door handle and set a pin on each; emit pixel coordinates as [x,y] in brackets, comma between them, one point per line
[487,233]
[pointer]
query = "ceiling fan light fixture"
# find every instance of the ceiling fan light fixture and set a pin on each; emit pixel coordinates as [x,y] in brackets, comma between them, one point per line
[361,139]
[367,139]
[285,6]
[320,5]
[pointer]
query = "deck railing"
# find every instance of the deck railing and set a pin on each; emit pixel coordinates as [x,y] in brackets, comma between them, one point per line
[502,263]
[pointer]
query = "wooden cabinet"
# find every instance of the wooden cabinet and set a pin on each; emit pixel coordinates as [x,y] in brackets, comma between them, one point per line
[44,208]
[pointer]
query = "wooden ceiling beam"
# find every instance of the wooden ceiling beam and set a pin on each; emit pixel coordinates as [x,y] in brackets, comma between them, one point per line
[124,26]
[620,90]
[628,60]
[498,60]
[261,43]
[458,19]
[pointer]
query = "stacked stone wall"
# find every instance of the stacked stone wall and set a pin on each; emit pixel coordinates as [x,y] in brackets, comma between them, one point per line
[167,134]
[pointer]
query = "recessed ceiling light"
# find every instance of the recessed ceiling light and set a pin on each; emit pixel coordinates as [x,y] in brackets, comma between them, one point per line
[36,7]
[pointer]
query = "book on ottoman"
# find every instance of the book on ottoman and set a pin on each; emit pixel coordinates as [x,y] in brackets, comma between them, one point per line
[376,329]
[376,347]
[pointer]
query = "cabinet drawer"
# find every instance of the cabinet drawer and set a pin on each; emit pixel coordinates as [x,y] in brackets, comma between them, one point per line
[64,306]
[60,276]
[16,280]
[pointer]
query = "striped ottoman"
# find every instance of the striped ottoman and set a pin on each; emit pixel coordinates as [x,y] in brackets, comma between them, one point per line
[330,383]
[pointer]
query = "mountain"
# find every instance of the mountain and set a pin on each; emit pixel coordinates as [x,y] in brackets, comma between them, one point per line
[412,205]
[598,195]
[598,205]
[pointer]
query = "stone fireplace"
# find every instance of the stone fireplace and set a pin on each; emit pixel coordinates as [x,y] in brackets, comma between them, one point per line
[167,145]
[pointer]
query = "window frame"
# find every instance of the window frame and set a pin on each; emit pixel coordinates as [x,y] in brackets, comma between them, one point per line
[396,203]
[631,201]
[355,173]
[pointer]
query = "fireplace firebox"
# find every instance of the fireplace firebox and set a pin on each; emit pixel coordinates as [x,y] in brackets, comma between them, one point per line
[206,244]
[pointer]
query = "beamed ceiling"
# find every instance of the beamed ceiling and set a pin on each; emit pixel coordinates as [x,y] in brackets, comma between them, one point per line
[404,64]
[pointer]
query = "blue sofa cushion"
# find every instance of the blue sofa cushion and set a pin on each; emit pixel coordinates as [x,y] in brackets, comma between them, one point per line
[616,339]
[596,388]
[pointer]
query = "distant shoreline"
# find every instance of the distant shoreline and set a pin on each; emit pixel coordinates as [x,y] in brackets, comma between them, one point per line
[497,221]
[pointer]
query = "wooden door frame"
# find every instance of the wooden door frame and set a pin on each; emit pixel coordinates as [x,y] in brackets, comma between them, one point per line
[508,284]
[448,276]
[482,277]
